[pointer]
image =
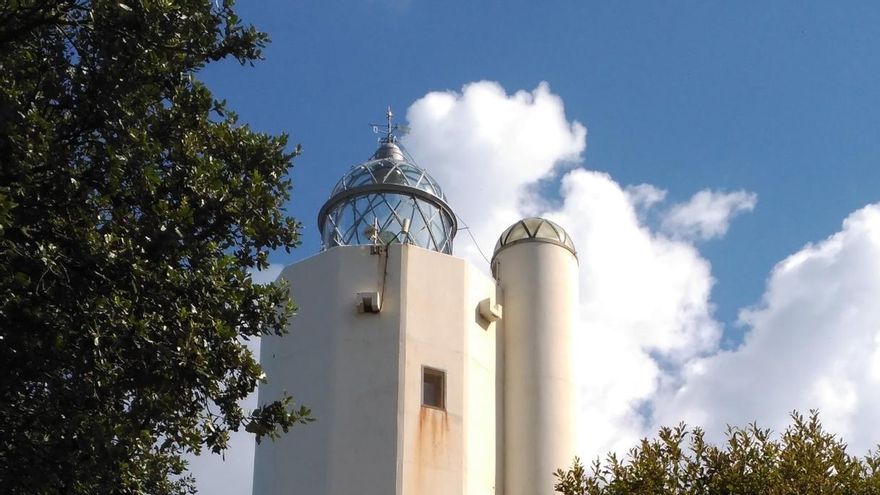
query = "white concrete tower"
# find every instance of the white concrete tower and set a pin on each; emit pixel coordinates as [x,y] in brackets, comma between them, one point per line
[393,348]
[535,265]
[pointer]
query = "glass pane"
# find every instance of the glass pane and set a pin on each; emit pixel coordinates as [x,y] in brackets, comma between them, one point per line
[516,233]
[433,385]
[546,231]
[532,225]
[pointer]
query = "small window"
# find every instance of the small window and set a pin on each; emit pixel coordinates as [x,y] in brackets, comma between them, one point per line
[433,388]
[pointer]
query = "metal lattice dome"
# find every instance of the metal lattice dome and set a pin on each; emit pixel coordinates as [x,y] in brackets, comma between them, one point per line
[384,200]
[534,229]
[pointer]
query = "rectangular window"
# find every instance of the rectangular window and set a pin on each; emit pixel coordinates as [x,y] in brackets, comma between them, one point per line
[433,388]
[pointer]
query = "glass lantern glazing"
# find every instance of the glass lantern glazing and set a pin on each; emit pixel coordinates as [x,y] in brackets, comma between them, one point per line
[387,200]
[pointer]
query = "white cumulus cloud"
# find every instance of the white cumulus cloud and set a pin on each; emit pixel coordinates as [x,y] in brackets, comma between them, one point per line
[647,342]
[812,342]
[644,196]
[233,471]
[645,308]
[487,147]
[707,214]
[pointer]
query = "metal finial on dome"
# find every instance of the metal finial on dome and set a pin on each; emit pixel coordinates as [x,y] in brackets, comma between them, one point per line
[390,129]
[389,115]
[388,147]
[388,197]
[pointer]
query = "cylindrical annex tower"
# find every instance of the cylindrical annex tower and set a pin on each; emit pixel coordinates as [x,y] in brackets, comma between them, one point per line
[535,265]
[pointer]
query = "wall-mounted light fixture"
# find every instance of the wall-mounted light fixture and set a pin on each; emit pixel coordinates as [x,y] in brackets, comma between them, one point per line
[369,302]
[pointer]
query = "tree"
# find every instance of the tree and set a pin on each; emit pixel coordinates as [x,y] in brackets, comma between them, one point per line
[805,459]
[132,205]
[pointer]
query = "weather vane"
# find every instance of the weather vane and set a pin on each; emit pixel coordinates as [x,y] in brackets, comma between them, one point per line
[390,129]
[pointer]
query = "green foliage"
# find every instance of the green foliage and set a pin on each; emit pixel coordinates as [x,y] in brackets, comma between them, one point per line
[805,459]
[132,205]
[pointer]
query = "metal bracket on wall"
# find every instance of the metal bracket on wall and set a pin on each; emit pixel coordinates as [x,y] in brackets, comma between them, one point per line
[490,310]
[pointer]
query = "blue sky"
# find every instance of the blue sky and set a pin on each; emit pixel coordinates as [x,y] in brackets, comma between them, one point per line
[778,100]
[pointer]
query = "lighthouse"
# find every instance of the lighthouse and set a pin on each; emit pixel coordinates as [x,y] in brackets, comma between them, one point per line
[425,374]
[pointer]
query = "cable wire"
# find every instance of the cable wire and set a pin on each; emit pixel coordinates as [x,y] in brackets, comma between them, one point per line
[407,155]
[468,229]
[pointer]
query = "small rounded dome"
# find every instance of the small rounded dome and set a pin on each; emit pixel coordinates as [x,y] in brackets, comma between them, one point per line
[534,229]
[387,199]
